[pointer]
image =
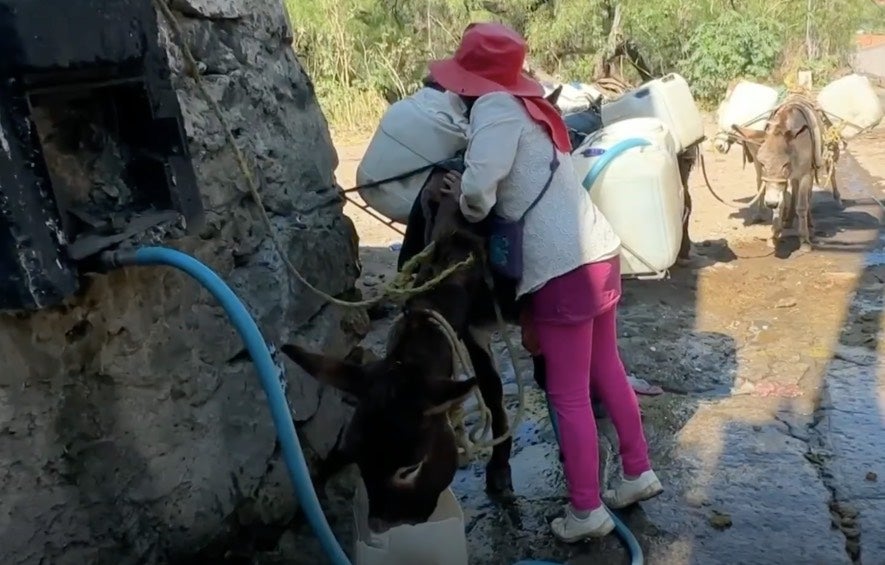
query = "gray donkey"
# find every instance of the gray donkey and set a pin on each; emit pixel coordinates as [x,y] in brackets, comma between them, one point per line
[790,152]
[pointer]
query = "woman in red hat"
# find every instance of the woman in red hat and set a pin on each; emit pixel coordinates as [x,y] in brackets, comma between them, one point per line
[570,273]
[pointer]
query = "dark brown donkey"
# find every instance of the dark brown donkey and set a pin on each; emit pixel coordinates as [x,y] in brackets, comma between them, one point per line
[791,152]
[399,436]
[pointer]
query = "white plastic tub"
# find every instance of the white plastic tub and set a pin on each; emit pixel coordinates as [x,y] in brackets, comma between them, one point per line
[748,105]
[668,99]
[652,129]
[428,127]
[639,192]
[851,103]
[439,541]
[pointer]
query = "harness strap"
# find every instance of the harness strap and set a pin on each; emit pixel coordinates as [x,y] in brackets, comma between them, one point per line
[400,176]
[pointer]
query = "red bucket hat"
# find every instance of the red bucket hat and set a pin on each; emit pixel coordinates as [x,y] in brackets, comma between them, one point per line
[489,59]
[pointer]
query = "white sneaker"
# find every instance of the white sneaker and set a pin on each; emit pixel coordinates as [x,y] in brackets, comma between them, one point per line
[571,529]
[629,492]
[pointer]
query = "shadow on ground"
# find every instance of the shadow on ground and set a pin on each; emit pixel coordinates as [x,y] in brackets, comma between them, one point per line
[784,469]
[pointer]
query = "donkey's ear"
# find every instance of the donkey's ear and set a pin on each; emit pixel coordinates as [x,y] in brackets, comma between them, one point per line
[442,396]
[794,131]
[343,375]
[753,135]
[432,191]
[553,97]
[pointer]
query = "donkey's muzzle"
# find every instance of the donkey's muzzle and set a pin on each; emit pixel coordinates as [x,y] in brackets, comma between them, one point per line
[774,192]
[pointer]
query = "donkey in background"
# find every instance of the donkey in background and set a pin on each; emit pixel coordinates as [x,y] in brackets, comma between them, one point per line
[790,153]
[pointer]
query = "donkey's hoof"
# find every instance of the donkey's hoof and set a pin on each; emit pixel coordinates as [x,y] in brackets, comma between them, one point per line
[499,481]
[804,248]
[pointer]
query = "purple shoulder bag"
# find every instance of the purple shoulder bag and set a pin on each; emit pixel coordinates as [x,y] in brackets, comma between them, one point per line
[505,237]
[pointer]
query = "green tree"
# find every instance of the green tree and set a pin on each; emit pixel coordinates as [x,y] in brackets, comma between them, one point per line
[363,54]
[730,46]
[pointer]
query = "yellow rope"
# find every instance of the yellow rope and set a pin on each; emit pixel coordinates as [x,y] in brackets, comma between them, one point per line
[831,136]
[399,288]
[474,439]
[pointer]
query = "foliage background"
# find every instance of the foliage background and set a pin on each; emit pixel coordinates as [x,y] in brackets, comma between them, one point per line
[363,54]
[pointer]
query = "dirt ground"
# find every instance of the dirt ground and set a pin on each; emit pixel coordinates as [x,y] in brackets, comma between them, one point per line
[770,437]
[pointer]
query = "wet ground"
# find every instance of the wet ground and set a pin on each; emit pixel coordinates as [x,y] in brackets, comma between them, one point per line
[770,437]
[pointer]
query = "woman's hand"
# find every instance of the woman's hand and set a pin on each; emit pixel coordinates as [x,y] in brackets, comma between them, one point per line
[452,187]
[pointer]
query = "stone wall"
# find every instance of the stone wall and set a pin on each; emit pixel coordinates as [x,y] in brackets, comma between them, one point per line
[128,430]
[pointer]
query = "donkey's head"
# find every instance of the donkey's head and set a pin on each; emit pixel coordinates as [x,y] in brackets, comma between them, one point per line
[784,153]
[399,436]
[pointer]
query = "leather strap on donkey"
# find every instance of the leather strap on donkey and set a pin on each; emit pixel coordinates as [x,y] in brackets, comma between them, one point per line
[826,137]
[817,121]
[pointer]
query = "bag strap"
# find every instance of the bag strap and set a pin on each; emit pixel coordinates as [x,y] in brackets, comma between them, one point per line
[554,164]
[401,176]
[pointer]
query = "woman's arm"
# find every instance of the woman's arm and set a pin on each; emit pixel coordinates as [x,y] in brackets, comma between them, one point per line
[496,122]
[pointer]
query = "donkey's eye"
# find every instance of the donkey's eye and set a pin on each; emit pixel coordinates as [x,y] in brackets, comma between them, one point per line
[405,477]
[404,472]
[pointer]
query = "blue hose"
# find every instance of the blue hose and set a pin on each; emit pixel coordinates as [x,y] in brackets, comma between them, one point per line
[268,373]
[608,156]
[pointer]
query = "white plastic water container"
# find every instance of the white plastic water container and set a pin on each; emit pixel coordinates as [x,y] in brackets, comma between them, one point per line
[652,129]
[439,541]
[851,103]
[668,99]
[639,192]
[425,128]
[748,105]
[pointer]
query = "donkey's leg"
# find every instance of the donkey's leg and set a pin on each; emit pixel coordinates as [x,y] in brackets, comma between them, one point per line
[685,246]
[686,163]
[790,214]
[777,226]
[759,213]
[498,478]
[802,191]
[837,196]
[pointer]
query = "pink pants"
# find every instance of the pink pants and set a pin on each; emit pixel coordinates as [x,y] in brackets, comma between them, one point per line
[582,359]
